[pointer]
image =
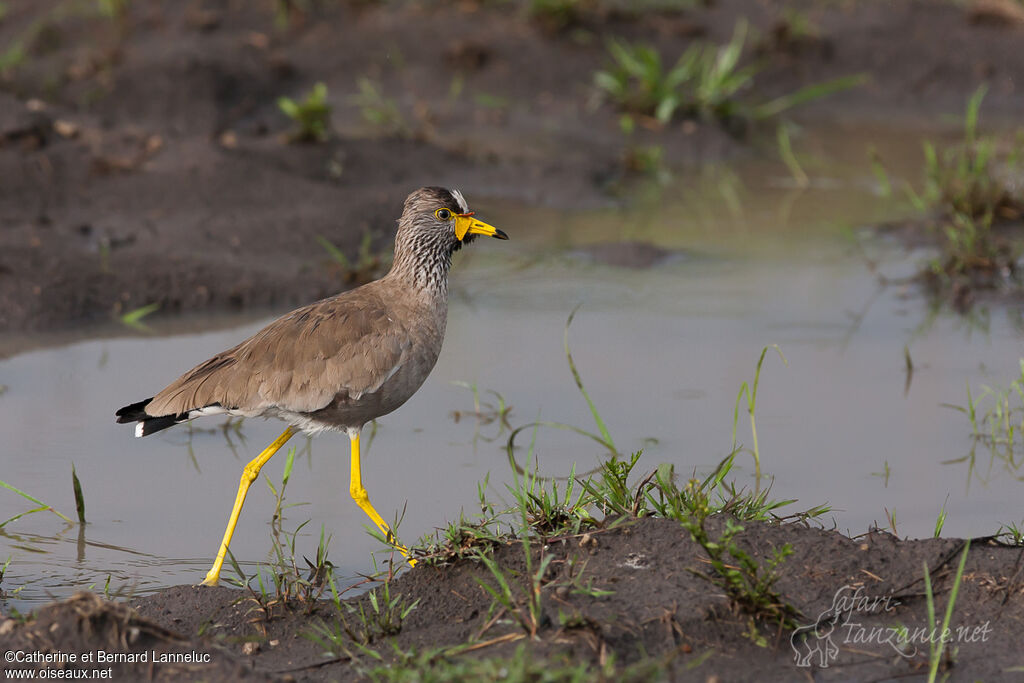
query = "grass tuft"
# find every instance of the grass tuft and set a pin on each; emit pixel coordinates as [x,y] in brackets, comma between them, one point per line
[705,82]
[43,507]
[380,111]
[543,510]
[970,187]
[368,265]
[996,416]
[133,318]
[312,115]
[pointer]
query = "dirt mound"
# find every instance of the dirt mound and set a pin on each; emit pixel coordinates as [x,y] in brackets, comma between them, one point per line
[630,594]
[88,634]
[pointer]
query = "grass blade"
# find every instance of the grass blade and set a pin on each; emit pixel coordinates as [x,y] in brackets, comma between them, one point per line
[36,501]
[789,157]
[134,317]
[579,385]
[288,463]
[22,514]
[79,496]
[811,92]
[335,253]
[935,655]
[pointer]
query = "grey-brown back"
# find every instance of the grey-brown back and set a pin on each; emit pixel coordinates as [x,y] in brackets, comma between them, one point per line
[323,365]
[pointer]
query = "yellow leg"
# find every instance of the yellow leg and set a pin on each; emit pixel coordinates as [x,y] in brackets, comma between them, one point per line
[362,498]
[249,474]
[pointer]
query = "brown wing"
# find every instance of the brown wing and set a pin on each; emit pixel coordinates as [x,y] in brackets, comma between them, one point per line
[299,362]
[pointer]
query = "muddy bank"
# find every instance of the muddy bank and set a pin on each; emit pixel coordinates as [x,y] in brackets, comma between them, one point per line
[143,159]
[628,595]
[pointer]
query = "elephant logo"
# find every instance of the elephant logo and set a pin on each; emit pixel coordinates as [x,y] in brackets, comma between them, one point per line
[814,639]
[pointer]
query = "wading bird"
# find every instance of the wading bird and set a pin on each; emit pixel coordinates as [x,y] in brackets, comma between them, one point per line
[338,363]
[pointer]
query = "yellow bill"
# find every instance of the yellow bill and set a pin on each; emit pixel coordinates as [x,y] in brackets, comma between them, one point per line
[466,224]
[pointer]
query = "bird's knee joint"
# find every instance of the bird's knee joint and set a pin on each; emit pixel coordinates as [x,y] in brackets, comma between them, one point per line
[249,474]
[359,495]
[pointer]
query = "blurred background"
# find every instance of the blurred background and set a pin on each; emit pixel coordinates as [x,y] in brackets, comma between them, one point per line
[840,178]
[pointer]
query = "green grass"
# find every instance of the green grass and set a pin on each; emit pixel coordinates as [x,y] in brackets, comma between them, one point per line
[938,649]
[542,508]
[705,82]
[969,187]
[557,15]
[1011,533]
[13,57]
[526,611]
[76,485]
[463,538]
[523,666]
[380,111]
[283,583]
[940,521]
[133,318]
[312,115]
[884,474]
[996,415]
[485,412]
[788,156]
[378,616]
[743,578]
[113,9]
[42,28]
[649,161]
[749,392]
[41,506]
[610,495]
[972,176]
[368,265]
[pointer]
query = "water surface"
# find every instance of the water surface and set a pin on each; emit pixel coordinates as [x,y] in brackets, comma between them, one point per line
[743,258]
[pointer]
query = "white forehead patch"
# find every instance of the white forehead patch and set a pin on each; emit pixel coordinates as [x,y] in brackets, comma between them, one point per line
[463,206]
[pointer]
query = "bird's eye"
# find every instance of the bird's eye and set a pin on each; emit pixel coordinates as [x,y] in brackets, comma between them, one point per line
[443,214]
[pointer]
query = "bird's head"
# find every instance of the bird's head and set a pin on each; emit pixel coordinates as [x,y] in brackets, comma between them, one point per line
[444,216]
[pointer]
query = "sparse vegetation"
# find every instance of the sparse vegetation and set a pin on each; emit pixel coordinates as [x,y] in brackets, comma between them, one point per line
[134,317]
[312,115]
[42,507]
[705,82]
[743,579]
[283,584]
[362,627]
[557,15]
[113,9]
[996,415]
[970,186]
[444,666]
[380,111]
[974,177]
[1011,533]
[368,265]
[938,645]
[609,495]
[645,160]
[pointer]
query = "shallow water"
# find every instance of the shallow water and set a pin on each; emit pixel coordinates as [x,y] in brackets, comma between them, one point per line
[748,260]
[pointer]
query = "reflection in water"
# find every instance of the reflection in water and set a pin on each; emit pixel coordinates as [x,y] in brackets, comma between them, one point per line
[662,352]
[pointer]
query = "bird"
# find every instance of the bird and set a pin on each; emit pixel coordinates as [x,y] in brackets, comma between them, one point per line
[336,364]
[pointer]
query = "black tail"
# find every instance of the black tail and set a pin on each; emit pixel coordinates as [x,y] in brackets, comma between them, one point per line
[147,424]
[134,413]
